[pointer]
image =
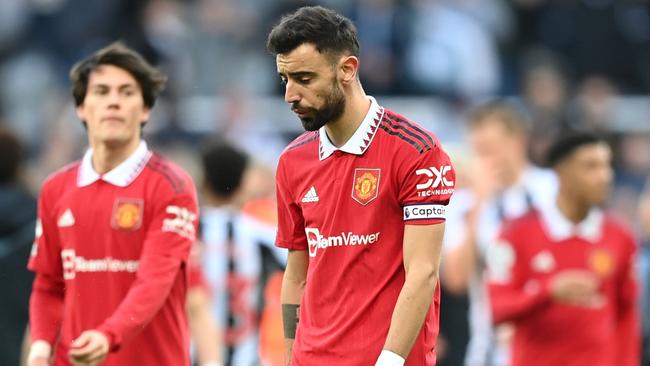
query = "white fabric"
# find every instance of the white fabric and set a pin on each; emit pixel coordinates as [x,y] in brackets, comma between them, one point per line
[388,358]
[249,233]
[122,175]
[362,137]
[559,228]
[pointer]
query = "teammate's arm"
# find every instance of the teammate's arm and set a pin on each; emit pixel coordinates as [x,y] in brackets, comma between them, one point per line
[293,286]
[628,332]
[422,246]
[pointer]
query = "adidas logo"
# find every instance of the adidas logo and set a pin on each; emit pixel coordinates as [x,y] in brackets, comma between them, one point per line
[66,220]
[311,196]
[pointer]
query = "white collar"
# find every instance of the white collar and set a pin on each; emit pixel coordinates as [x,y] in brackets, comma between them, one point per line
[559,228]
[121,176]
[362,137]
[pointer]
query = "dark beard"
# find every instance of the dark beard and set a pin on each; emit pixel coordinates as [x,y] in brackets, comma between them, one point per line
[331,110]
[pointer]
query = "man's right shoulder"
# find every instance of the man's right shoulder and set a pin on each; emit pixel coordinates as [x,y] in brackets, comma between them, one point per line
[303,144]
[62,176]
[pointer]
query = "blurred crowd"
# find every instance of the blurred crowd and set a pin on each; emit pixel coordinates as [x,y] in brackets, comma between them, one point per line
[564,64]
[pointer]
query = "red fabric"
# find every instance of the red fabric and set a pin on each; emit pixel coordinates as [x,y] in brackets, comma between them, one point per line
[125,268]
[356,266]
[549,333]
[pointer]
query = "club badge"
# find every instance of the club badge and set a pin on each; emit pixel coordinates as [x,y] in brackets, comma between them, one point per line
[127,213]
[601,262]
[365,185]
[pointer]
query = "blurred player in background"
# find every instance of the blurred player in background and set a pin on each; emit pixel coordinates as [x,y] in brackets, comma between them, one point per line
[564,274]
[644,270]
[18,211]
[361,207]
[503,185]
[114,231]
[238,255]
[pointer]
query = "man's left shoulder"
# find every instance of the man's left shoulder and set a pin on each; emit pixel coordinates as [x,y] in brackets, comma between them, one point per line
[173,176]
[403,132]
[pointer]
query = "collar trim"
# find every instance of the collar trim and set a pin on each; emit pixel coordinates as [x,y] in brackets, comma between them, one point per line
[122,175]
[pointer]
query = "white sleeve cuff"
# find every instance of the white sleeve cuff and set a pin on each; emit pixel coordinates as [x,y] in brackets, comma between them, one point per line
[388,358]
[39,348]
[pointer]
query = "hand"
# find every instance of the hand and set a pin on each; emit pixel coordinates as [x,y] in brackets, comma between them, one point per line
[576,287]
[89,349]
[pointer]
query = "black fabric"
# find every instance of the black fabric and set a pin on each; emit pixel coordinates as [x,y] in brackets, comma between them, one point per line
[17,222]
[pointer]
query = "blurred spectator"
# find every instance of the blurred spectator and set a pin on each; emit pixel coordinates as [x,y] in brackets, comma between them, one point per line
[593,106]
[502,186]
[445,46]
[238,256]
[644,270]
[545,95]
[18,210]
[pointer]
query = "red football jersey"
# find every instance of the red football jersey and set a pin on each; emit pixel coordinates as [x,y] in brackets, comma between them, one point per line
[119,243]
[348,206]
[532,250]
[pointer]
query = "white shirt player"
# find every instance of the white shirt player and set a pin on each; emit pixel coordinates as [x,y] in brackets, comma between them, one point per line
[536,189]
[236,249]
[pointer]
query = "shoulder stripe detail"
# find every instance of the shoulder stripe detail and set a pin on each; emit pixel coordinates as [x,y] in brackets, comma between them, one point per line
[308,137]
[398,134]
[409,132]
[413,126]
[158,165]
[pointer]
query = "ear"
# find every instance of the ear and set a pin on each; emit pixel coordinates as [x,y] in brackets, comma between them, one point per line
[146,113]
[81,113]
[348,69]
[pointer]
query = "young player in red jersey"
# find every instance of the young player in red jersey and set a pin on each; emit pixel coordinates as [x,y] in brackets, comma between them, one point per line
[564,275]
[361,199]
[114,232]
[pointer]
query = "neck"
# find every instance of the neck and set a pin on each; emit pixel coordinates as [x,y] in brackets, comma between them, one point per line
[105,157]
[571,207]
[515,173]
[356,108]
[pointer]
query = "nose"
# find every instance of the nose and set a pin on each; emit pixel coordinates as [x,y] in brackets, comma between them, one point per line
[291,94]
[113,99]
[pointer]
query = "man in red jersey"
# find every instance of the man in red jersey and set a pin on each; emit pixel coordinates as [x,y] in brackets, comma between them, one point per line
[564,274]
[361,206]
[114,232]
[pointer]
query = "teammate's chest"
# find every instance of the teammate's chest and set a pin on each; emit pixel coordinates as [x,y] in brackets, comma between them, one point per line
[599,257]
[101,214]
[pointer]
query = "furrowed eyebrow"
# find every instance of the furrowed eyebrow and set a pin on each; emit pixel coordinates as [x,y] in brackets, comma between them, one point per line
[299,74]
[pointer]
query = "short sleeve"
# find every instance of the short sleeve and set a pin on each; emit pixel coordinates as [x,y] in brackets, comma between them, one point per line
[45,256]
[291,224]
[427,185]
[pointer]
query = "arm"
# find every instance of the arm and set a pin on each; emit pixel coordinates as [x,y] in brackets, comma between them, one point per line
[506,278]
[203,327]
[293,286]
[422,246]
[628,332]
[46,315]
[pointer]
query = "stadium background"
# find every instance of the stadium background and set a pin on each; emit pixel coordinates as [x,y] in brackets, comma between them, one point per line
[565,63]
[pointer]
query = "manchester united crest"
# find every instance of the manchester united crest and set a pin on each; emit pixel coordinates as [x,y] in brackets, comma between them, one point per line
[365,185]
[601,262]
[127,213]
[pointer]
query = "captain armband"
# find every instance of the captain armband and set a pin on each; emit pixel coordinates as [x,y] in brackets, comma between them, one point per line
[290,319]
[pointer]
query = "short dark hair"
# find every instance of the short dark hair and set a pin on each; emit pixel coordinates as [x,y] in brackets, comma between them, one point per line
[11,156]
[330,32]
[223,167]
[568,142]
[510,117]
[151,80]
